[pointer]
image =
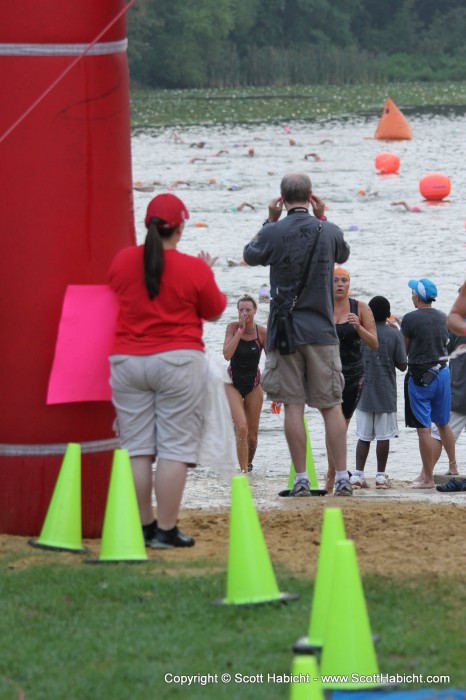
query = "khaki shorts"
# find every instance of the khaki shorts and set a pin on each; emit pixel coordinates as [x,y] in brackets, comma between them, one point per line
[159,403]
[310,375]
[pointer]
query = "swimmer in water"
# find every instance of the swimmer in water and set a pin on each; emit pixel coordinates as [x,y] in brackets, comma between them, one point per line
[416,209]
[241,206]
[264,294]
[312,155]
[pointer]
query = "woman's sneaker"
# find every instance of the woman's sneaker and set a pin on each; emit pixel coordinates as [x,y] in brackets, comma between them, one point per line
[148,532]
[382,481]
[358,482]
[168,539]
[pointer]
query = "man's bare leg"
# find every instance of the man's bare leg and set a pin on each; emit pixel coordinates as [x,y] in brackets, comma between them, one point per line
[427,457]
[335,435]
[449,445]
[330,477]
[295,434]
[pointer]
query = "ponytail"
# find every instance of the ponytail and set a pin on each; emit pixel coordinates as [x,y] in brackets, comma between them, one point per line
[153,255]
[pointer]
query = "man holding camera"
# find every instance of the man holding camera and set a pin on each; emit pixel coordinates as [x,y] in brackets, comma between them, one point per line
[303,361]
[426,339]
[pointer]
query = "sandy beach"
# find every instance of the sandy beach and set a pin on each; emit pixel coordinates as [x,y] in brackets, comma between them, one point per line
[400,532]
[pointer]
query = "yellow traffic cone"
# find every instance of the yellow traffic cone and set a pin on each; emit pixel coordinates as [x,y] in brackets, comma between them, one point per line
[333,530]
[62,529]
[305,679]
[348,653]
[310,467]
[250,576]
[122,537]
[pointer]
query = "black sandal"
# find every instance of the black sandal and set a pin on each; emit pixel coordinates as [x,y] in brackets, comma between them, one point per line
[452,485]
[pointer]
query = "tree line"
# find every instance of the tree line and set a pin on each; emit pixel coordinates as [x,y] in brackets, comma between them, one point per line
[234,43]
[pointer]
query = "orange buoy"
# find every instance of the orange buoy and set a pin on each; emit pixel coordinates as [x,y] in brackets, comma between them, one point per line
[435,186]
[387,163]
[393,125]
[200,224]
[67,206]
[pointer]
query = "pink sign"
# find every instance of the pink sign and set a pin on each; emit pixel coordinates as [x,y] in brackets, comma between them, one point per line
[81,370]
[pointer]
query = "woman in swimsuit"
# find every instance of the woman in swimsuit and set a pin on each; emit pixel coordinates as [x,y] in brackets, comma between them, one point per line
[244,341]
[355,325]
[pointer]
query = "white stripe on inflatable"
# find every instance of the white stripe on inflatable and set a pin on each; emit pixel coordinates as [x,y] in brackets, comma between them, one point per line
[58,448]
[98,49]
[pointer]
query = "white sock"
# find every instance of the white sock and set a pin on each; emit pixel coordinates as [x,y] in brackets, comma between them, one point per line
[341,475]
[301,476]
[358,472]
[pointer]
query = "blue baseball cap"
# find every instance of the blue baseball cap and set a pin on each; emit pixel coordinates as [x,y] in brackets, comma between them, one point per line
[424,288]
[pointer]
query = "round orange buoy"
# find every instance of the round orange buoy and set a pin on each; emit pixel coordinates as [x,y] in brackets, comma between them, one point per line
[200,224]
[73,150]
[387,163]
[435,186]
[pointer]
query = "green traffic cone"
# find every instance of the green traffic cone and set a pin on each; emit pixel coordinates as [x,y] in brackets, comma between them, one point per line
[62,529]
[333,530]
[305,679]
[122,537]
[348,649]
[250,577]
[310,467]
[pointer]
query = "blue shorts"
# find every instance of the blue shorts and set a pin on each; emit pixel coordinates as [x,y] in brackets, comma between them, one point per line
[431,404]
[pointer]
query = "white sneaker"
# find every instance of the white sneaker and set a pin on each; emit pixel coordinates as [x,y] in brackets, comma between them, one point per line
[343,488]
[382,481]
[358,482]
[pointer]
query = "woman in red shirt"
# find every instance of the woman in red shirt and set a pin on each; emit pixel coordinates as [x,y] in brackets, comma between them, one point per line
[158,363]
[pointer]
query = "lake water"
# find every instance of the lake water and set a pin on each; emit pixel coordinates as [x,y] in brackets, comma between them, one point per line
[388,245]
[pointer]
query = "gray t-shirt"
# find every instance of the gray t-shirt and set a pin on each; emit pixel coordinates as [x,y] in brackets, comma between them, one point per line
[427,330]
[457,375]
[284,246]
[379,388]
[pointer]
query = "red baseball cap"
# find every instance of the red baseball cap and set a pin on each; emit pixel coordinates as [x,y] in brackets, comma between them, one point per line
[167,207]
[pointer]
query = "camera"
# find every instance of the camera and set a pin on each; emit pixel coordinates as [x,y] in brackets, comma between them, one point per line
[285,333]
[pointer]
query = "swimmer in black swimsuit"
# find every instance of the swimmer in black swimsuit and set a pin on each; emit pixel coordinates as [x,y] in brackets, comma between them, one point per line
[355,325]
[244,341]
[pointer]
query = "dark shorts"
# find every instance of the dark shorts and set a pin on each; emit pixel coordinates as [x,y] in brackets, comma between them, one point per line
[351,394]
[432,403]
[410,419]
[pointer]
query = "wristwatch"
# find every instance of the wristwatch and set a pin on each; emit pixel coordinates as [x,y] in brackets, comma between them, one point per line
[266,222]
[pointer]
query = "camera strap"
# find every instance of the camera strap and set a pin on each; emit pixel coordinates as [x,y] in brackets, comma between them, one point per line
[306,268]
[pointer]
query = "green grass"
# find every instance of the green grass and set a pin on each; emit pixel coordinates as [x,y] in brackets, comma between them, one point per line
[80,632]
[182,107]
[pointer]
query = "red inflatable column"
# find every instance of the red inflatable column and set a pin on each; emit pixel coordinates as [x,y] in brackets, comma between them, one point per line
[66,195]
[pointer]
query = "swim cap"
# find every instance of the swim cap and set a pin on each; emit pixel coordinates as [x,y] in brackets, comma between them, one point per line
[341,272]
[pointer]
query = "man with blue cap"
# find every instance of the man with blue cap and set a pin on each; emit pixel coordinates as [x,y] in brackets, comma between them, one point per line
[426,338]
